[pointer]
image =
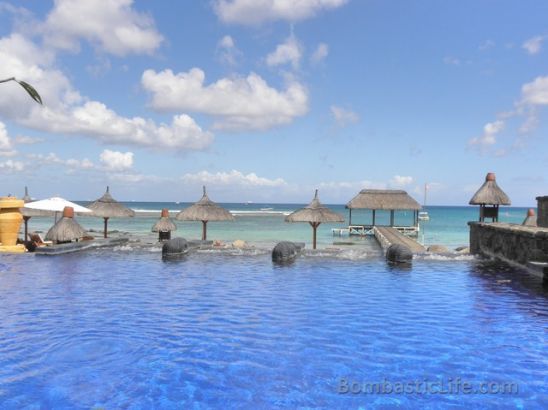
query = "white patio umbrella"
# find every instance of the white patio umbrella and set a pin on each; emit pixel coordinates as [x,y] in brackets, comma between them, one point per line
[47,207]
[55,205]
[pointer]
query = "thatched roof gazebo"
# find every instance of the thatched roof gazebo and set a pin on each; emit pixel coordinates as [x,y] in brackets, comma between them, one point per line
[164,226]
[530,219]
[204,210]
[66,229]
[107,207]
[384,199]
[489,197]
[315,213]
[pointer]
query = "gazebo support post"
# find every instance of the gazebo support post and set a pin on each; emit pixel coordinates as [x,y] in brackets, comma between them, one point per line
[204,230]
[350,216]
[314,226]
[373,217]
[391,217]
[26,219]
[106,226]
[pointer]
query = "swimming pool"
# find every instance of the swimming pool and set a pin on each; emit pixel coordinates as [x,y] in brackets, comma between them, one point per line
[126,330]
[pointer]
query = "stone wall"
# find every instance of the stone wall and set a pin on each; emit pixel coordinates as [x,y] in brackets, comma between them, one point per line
[511,243]
[542,211]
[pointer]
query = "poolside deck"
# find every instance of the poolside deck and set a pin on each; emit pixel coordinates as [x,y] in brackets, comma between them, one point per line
[387,236]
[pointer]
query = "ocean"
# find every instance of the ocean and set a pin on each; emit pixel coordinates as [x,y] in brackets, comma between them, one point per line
[264,224]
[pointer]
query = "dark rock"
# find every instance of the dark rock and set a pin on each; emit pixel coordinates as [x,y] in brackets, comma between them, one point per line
[397,253]
[286,251]
[175,246]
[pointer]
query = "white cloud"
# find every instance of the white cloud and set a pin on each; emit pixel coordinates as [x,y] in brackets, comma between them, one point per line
[534,95]
[343,116]
[81,164]
[5,142]
[53,159]
[353,186]
[452,60]
[233,178]
[227,51]
[490,131]
[116,161]
[289,52]
[130,178]
[112,26]
[66,111]
[531,122]
[11,166]
[401,181]
[320,53]
[237,103]
[487,44]
[227,42]
[95,120]
[100,68]
[533,45]
[26,140]
[11,153]
[255,12]
[535,92]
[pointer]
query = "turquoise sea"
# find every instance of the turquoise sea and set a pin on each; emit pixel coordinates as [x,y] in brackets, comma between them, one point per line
[264,223]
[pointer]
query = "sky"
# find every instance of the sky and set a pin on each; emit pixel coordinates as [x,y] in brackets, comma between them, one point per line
[267,100]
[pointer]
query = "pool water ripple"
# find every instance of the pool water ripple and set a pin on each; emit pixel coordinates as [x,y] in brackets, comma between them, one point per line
[126,330]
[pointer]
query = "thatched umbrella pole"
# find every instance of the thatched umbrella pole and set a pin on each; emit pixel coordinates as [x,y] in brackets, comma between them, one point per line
[204,230]
[314,226]
[106,226]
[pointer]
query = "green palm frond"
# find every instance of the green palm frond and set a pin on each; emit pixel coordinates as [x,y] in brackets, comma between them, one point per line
[28,88]
[31,90]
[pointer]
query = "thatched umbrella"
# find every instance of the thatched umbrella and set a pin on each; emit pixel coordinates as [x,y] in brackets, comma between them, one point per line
[27,197]
[490,195]
[204,210]
[66,229]
[315,213]
[164,226]
[107,207]
[530,219]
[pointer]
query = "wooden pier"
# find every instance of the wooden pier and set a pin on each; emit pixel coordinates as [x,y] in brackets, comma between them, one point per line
[363,230]
[387,236]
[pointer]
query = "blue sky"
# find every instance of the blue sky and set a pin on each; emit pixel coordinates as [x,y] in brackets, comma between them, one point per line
[267,100]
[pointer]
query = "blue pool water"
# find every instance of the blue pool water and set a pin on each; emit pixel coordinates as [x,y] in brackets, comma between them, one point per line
[126,330]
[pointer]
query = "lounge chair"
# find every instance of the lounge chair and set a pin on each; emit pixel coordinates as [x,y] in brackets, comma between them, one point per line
[37,239]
